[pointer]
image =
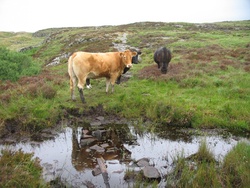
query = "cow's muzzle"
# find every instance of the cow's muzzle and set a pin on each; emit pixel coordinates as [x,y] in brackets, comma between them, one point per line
[129,65]
[164,70]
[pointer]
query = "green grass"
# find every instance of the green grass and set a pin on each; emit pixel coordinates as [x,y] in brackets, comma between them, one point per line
[19,169]
[16,41]
[236,166]
[201,169]
[208,83]
[207,86]
[209,106]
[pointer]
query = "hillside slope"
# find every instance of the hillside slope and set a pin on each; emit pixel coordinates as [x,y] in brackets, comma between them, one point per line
[207,85]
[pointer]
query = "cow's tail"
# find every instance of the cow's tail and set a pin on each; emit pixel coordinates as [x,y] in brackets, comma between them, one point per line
[71,75]
[70,65]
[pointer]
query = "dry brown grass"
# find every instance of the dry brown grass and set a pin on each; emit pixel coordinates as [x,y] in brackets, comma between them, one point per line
[197,61]
[32,86]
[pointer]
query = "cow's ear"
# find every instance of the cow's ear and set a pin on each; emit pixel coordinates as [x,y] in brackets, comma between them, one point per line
[121,54]
[134,53]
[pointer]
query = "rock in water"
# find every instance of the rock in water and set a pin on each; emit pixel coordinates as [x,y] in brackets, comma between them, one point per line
[151,172]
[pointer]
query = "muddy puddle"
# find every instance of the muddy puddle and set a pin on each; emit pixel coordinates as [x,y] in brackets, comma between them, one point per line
[74,152]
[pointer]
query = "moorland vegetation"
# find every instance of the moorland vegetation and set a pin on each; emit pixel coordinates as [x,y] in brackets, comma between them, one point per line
[207,86]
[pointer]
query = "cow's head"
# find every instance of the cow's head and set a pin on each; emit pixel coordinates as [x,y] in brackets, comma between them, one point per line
[135,58]
[126,57]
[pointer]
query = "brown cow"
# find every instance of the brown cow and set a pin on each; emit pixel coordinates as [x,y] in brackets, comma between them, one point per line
[83,65]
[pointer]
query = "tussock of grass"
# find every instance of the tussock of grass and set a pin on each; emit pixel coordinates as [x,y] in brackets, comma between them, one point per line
[201,169]
[19,169]
[236,166]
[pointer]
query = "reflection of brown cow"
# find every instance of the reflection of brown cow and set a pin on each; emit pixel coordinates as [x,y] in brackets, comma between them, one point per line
[83,65]
[84,158]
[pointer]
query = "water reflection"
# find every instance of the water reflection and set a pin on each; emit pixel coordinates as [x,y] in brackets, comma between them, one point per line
[68,156]
[107,143]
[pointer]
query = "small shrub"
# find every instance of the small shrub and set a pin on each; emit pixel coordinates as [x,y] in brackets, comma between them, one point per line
[32,90]
[36,89]
[14,65]
[5,98]
[48,92]
[247,68]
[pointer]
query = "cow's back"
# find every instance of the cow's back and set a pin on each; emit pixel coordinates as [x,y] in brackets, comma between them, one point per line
[96,64]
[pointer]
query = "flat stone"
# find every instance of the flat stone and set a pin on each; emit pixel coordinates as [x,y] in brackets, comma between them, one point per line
[87,141]
[151,172]
[99,133]
[100,118]
[86,136]
[97,148]
[110,150]
[85,132]
[143,162]
[105,145]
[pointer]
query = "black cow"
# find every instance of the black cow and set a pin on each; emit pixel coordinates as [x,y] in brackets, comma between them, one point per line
[162,57]
[118,81]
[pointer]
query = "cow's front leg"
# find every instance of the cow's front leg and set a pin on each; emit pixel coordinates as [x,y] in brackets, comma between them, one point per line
[112,81]
[81,83]
[88,85]
[81,95]
[159,65]
[107,84]
[118,81]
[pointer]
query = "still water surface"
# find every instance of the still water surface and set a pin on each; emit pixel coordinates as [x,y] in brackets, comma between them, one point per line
[67,158]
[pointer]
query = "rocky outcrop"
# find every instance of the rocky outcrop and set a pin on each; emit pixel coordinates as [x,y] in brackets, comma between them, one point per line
[58,59]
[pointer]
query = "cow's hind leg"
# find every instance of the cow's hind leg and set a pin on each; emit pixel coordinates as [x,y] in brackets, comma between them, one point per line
[72,83]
